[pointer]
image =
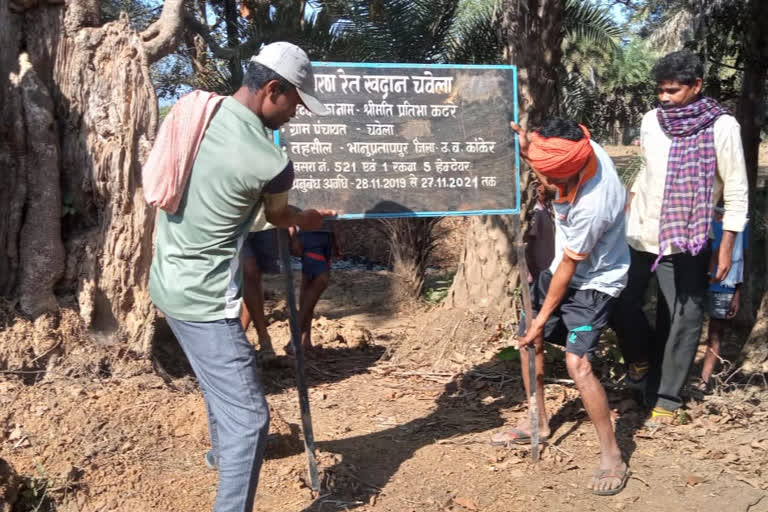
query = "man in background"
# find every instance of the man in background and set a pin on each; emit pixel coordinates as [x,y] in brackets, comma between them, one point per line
[692,156]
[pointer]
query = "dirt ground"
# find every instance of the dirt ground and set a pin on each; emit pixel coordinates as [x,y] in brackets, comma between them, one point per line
[394,432]
[389,437]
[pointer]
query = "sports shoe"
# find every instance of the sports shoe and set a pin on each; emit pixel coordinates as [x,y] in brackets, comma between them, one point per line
[210,460]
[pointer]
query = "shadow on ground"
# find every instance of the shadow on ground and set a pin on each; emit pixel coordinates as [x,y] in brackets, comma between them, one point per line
[470,404]
[336,363]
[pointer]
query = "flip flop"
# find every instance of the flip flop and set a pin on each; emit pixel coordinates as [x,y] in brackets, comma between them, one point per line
[701,386]
[637,372]
[660,417]
[513,436]
[637,375]
[602,474]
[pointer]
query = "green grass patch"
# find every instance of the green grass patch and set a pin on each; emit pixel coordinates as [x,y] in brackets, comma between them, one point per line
[436,287]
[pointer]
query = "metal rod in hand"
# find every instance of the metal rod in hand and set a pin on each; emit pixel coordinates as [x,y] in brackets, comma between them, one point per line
[533,409]
[301,380]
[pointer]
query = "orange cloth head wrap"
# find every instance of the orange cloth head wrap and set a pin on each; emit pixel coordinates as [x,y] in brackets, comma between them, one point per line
[559,158]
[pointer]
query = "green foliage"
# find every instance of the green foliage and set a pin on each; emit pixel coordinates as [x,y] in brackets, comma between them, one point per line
[421,31]
[605,91]
[630,68]
[629,172]
[278,20]
[436,288]
[473,37]
[720,45]
[589,24]
[713,29]
[552,354]
[509,354]
[173,76]
[604,78]
[397,30]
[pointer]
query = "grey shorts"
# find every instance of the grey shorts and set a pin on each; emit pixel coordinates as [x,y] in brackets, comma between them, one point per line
[262,245]
[579,319]
[720,304]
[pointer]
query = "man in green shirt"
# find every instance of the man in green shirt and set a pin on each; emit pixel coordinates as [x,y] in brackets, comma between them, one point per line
[195,278]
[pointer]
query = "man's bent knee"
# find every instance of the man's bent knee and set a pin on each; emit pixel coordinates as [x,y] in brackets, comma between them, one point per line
[579,367]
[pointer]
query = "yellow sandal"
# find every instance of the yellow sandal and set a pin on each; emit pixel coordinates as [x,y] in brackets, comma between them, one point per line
[660,417]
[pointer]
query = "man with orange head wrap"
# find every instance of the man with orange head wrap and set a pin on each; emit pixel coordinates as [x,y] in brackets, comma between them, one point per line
[573,299]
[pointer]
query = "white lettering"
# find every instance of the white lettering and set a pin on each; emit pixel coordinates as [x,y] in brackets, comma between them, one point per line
[380,129]
[432,84]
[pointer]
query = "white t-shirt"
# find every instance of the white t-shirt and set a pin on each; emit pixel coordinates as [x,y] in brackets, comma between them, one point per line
[592,229]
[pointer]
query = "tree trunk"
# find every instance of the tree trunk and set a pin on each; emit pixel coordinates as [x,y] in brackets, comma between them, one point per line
[750,107]
[532,31]
[487,273]
[755,353]
[77,117]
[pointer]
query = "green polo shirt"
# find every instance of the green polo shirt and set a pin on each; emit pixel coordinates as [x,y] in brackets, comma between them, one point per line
[195,273]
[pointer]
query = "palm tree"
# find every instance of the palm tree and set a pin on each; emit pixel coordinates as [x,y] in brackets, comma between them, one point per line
[590,45]
[216,44]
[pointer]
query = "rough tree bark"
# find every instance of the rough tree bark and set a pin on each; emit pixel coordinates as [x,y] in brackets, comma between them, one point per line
[750,106]
[77,117]
[532,31]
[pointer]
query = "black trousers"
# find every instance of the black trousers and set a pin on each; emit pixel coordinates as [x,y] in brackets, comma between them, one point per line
[670,348]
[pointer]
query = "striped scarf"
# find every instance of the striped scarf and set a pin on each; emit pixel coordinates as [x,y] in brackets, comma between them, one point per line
[686,209]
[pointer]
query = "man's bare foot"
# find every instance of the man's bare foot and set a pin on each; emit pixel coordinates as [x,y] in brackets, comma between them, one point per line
[520,434]
[609,480]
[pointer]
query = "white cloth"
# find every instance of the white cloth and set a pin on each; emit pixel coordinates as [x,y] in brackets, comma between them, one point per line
[648,188]
[260,222]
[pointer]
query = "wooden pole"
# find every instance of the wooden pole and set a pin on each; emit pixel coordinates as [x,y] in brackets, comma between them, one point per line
[301,380]
[526,317]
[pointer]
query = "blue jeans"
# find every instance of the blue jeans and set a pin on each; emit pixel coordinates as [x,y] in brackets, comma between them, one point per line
[225,364]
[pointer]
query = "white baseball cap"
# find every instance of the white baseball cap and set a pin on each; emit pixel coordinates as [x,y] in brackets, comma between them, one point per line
[292,63]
